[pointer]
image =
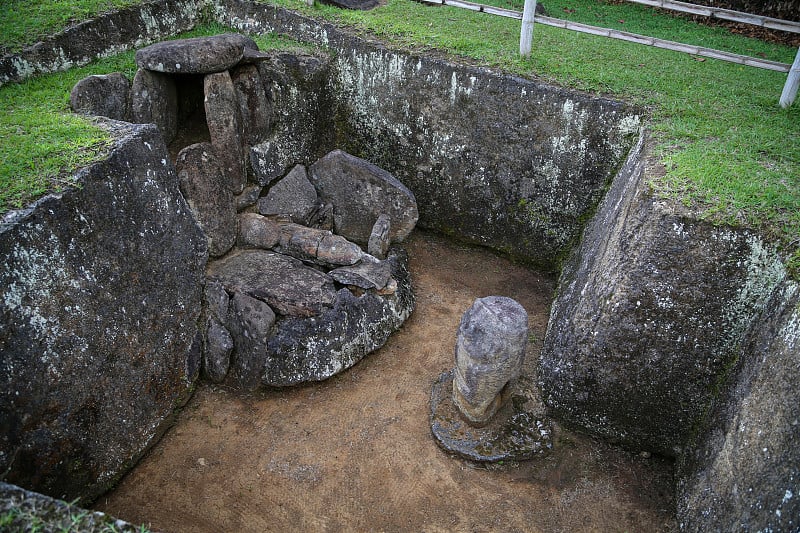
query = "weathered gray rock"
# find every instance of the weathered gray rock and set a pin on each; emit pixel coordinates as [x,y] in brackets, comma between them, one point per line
[206,190]
[302,126]
[490,350]
[250,321]
[100,293]
[216,300]
[254,108]
[744,472]
[379,240]
[248,198]
[318,246]
[266,163]
[293,195]
[224,126]
[313,349]
[649,312]
[369,273]
[360,192]
[30,511]
[217,340]
[197,55]
[288,286]
[217,351]
[107,95]
[256,231]
[154,100]
[321,217]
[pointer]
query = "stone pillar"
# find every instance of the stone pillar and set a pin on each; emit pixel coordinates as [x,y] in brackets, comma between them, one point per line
[489,353]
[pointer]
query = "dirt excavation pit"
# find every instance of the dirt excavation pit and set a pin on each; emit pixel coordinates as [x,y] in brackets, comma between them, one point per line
[355,452]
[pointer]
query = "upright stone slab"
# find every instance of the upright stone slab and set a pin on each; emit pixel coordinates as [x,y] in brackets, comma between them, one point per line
[490,349]
[205,188]
[743,471]
[154,100]
[250,321]
[254,107]
[104,95]
[360,192]
[197,55]
[292,195]
[650,310]
[224,126]
[379,243]
[100,293]
[217,342]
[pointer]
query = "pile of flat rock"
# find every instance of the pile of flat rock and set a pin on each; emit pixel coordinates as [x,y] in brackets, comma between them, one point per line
[291,294]
[297,298]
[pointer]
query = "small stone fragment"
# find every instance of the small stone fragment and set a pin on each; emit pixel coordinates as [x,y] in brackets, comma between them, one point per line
[248,198]
[197,55]
[206,191]
[250,322]
[293,196]
[224,127]
[256,231]
[490,349]
[378,243]
[106,95]
[154,100]
[216,300]
[368,274]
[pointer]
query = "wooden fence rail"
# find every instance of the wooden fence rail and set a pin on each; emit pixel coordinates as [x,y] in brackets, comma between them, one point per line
[787,96]
[723,14]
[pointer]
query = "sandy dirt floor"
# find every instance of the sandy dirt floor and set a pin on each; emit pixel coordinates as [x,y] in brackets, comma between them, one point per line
[355,453]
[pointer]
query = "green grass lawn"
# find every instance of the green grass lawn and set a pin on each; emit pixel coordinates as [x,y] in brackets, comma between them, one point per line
[729,149]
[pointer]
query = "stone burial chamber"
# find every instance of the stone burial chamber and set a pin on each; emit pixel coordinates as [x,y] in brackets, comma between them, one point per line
[290,295]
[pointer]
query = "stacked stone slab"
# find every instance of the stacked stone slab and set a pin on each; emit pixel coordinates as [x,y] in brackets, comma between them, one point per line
[292,302]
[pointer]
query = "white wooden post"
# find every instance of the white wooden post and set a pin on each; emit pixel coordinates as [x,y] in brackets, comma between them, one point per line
[792,81]
[526,34]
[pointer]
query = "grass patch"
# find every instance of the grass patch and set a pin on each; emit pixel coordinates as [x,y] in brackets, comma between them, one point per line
[24,22]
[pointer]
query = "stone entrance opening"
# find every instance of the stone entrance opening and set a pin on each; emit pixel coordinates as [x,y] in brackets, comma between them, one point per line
[191,113]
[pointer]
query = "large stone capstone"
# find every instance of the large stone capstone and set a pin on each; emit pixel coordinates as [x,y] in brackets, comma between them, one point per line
[100,293]
[198,55]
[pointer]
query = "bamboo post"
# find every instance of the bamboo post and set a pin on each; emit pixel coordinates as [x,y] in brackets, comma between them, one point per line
[526,34]
[792,81]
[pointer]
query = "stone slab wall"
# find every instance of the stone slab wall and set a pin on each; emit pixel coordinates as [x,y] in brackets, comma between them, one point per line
[100,291]
[104,36]
[743,473]
[650,311]
[500,161]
